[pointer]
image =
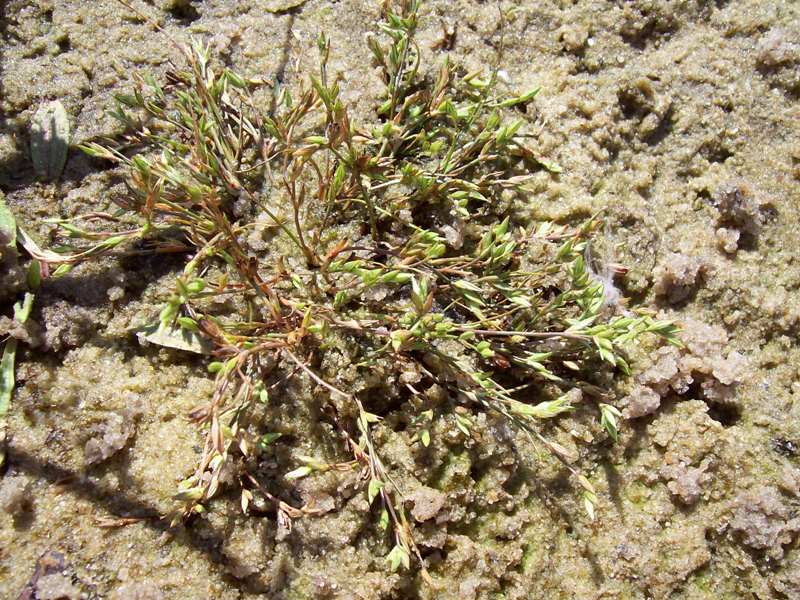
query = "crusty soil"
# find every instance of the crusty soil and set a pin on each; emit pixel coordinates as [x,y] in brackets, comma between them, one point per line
[679,119]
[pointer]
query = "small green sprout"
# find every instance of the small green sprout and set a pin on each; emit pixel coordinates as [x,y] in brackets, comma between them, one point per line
[608,420]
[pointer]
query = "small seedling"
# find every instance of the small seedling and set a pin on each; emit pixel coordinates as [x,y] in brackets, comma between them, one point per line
[22,310]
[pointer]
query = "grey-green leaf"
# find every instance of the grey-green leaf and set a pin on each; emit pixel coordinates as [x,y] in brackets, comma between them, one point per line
[22,310]
[280,7]
[8,227]
[50,140]
[7,374]
[175,337]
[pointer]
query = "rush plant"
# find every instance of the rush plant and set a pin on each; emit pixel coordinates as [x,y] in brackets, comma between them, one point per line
[397,235]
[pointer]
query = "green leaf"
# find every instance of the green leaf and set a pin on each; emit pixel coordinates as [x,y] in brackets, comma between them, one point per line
[589,502]
[7,374]
[22,310]
[263,396]
[549,165]
[524,98]
[463,424]
[398,556]
[34,277]
[268,438]
[298,473]
[608,419]
[484,349]
[188,323]
[50,140]
[61,270]
[375,486]
[189,495]
[463,284]
[425,437]
[338,179]
[8,228]
[196,286]
[97,151]
[543,410]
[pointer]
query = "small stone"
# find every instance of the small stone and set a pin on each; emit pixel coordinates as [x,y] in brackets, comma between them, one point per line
[684,481]
[137,591]
[56,586]
[15,497]
[739,207]
[677,277]
[762,521]
[731,369]
[728,240]
[427,503]
[574,37]
[641,402]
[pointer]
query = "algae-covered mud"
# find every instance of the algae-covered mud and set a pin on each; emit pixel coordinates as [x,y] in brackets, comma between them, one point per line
[679,120]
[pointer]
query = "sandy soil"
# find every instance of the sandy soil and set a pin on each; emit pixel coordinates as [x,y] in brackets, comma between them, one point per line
[680,119]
